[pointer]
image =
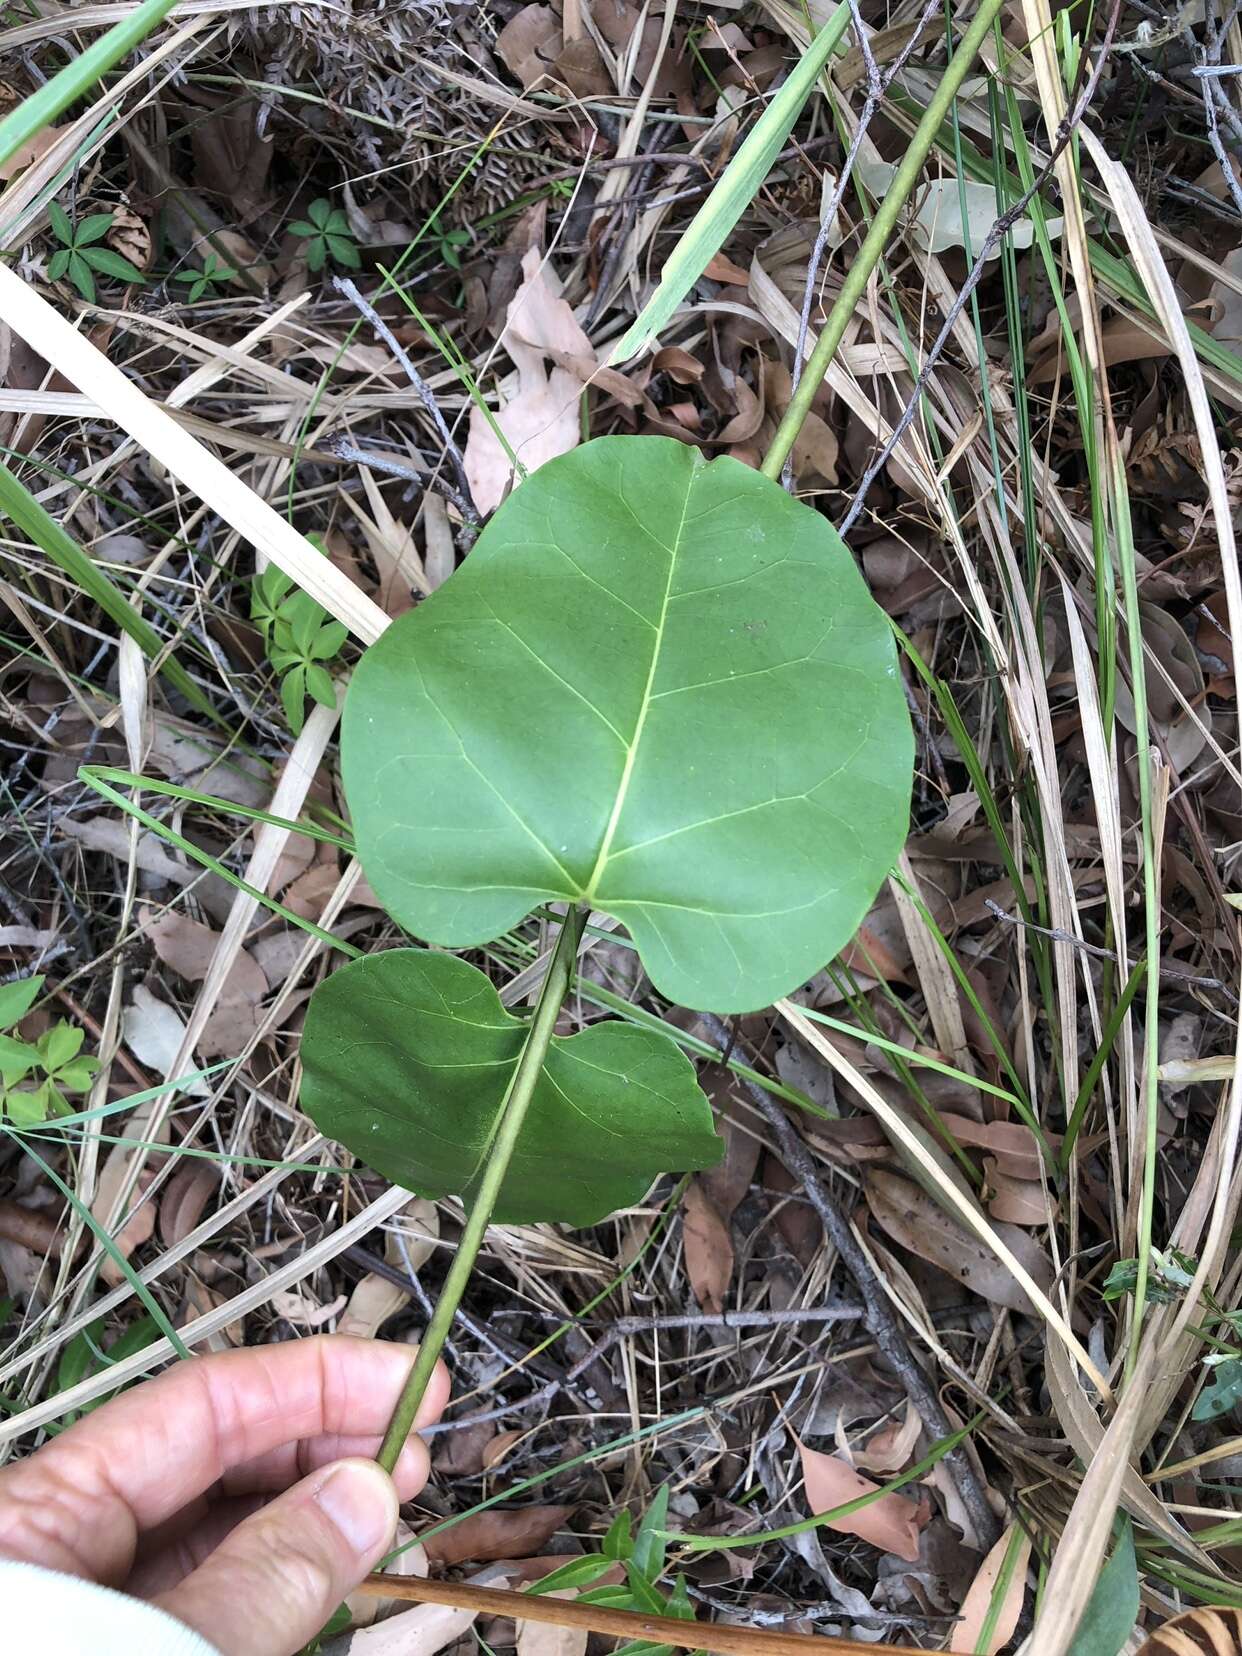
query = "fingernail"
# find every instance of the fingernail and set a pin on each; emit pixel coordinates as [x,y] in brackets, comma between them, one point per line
[358,1497]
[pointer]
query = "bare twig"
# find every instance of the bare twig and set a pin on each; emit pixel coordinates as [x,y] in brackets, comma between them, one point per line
[425,394]
[625,1624]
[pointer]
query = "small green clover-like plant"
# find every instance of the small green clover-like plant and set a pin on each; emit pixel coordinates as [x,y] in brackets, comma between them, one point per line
[35,1076]
[299,638]
[657,688]
[327,235]
[212,273]
[641,1554]
[1169,1275]
[449,243]
[80,257]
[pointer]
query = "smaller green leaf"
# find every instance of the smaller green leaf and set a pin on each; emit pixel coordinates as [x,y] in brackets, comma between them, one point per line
[17,1059]
[61,1043]
[316,254]
[29,1109]
[91,228]
[1113,1607]
[1222,1393]
[293,698]
[645,1596]
[579,1572]
[80,276]
[320,212]
[187,276]
[58,264]
[344,252]
[329,640]
[110,263]
[451,256]
[61,227]
[79,1357]
[300,227]
[337,223]
[611,1598]
[319,685]
[650,1545]
[198,290]
[76,1077]
[17,998]
[678,1601]
[619,1542]
[304,617]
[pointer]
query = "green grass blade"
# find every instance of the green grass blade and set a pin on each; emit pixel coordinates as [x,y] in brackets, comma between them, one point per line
[42,107]
[735,190]
[17,503]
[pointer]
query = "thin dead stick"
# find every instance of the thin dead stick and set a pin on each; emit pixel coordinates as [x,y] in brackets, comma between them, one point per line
[1055,935]
[425,394]
[622,1624]
[880,1320]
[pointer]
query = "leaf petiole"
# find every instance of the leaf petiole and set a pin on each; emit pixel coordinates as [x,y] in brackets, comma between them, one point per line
[500,1153]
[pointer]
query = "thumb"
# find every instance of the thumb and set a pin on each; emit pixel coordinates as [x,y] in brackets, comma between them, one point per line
[275,1580]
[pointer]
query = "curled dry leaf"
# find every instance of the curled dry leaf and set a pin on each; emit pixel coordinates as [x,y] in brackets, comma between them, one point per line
[978,1600]
[38,1229]
[517,1532]
[1016,1201]
[495,1451]
[185,1199]
[540,420]
[708,1248]
[892,1522]
[912,1218]
[890,1448]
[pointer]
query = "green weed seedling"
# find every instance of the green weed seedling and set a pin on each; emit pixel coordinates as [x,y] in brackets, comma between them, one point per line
[298,638]
[80,256]
[657,688]
[641,1555]
[326,232]
[35,1076]
[212,273]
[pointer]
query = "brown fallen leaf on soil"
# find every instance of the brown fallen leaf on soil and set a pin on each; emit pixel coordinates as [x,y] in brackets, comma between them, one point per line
[708,1248]
[892,1522]
[978,1600]
[543,1639]
[541,419]
[29,152]
[910,1216]
[188,947]
[890,1448]
[185,1198]
[511,1533]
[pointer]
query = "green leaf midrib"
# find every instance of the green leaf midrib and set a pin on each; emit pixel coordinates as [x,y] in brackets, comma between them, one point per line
[601,860]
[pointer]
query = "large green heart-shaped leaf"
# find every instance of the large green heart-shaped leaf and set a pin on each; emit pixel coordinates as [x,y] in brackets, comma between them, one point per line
[658,687]
[406,1059]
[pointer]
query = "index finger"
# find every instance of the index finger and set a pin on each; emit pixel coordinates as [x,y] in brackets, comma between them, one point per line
[81,1501]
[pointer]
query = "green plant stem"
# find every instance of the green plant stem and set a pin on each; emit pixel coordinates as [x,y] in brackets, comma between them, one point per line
[499,1153]
[882,226]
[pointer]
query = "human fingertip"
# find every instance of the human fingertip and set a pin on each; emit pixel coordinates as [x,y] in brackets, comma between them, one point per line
[360,1500]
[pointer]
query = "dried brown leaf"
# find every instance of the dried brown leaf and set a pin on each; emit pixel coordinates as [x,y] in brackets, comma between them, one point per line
[507,1533]
[978,1600]
[708,1248]
[910,1216]
[891,1522]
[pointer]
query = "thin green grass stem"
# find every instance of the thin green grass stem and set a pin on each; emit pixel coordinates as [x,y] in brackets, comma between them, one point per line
[882,226]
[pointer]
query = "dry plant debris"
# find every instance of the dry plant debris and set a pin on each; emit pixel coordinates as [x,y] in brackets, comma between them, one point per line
[376,259]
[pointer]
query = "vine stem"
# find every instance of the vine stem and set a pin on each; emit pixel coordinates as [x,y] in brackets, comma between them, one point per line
[882,225]
[499,1154]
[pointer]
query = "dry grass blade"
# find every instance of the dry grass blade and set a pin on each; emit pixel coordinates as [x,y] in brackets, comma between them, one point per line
[85,366]
[950,1195]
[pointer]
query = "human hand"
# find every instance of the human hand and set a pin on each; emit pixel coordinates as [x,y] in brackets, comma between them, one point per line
[166,1491]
